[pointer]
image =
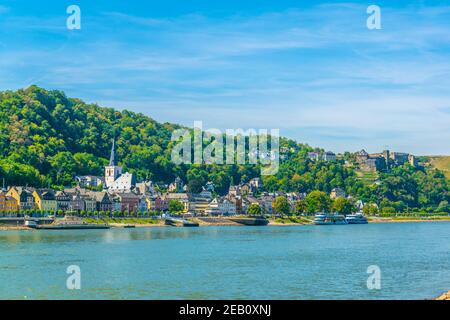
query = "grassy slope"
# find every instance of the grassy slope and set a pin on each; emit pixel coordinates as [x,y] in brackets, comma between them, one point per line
[367,177]
[441,163]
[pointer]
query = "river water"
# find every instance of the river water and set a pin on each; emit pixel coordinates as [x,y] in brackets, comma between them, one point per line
[298,262]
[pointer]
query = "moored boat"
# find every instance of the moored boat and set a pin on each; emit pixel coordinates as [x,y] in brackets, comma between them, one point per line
[180,222]
[329,219]
[250,221]
[357,218]
[71,223]
[187,223]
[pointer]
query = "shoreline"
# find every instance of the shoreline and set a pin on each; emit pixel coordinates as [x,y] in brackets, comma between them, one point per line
[272,223]
[445,296]
[141,225]
[390,220]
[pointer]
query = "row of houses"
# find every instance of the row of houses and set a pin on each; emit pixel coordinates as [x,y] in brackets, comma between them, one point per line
[242,201]
[20,199]
[239,199]
[235,202]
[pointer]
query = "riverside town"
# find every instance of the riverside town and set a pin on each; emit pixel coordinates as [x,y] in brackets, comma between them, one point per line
[233,157]
[312,186]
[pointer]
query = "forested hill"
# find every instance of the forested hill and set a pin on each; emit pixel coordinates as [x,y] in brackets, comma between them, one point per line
[47,138]
[59,137]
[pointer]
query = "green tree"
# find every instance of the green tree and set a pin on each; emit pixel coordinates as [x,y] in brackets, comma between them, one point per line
[194,186]
[300,206]
[344,206]
[176,206]
[281,206]
[443,207]
[317,201]
[254,210]
[370,209]
[388,210]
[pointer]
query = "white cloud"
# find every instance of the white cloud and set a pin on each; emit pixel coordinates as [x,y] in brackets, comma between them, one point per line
[317,74]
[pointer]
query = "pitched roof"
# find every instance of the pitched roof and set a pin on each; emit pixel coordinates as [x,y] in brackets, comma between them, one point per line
[97,195]
[46,194]
[27,190]
[127,195]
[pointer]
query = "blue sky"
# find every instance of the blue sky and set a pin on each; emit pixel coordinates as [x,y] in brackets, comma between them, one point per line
[311,69]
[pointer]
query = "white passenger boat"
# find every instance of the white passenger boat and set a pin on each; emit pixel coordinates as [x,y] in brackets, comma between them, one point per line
[329,219]
[357,218]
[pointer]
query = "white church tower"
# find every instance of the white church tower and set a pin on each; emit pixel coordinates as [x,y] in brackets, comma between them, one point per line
[112,171]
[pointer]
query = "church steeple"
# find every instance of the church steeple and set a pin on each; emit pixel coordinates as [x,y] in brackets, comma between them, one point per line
[112,158]
[112,171]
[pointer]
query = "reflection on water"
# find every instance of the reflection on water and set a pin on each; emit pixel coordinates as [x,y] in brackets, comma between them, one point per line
[109,235]
[306,262]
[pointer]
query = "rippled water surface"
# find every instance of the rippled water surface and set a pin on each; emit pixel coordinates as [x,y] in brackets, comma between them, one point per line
[301,262]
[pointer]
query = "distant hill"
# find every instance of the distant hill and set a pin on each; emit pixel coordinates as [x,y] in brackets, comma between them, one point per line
[442,163]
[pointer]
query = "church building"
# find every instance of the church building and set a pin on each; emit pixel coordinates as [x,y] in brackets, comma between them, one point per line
[115,180]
